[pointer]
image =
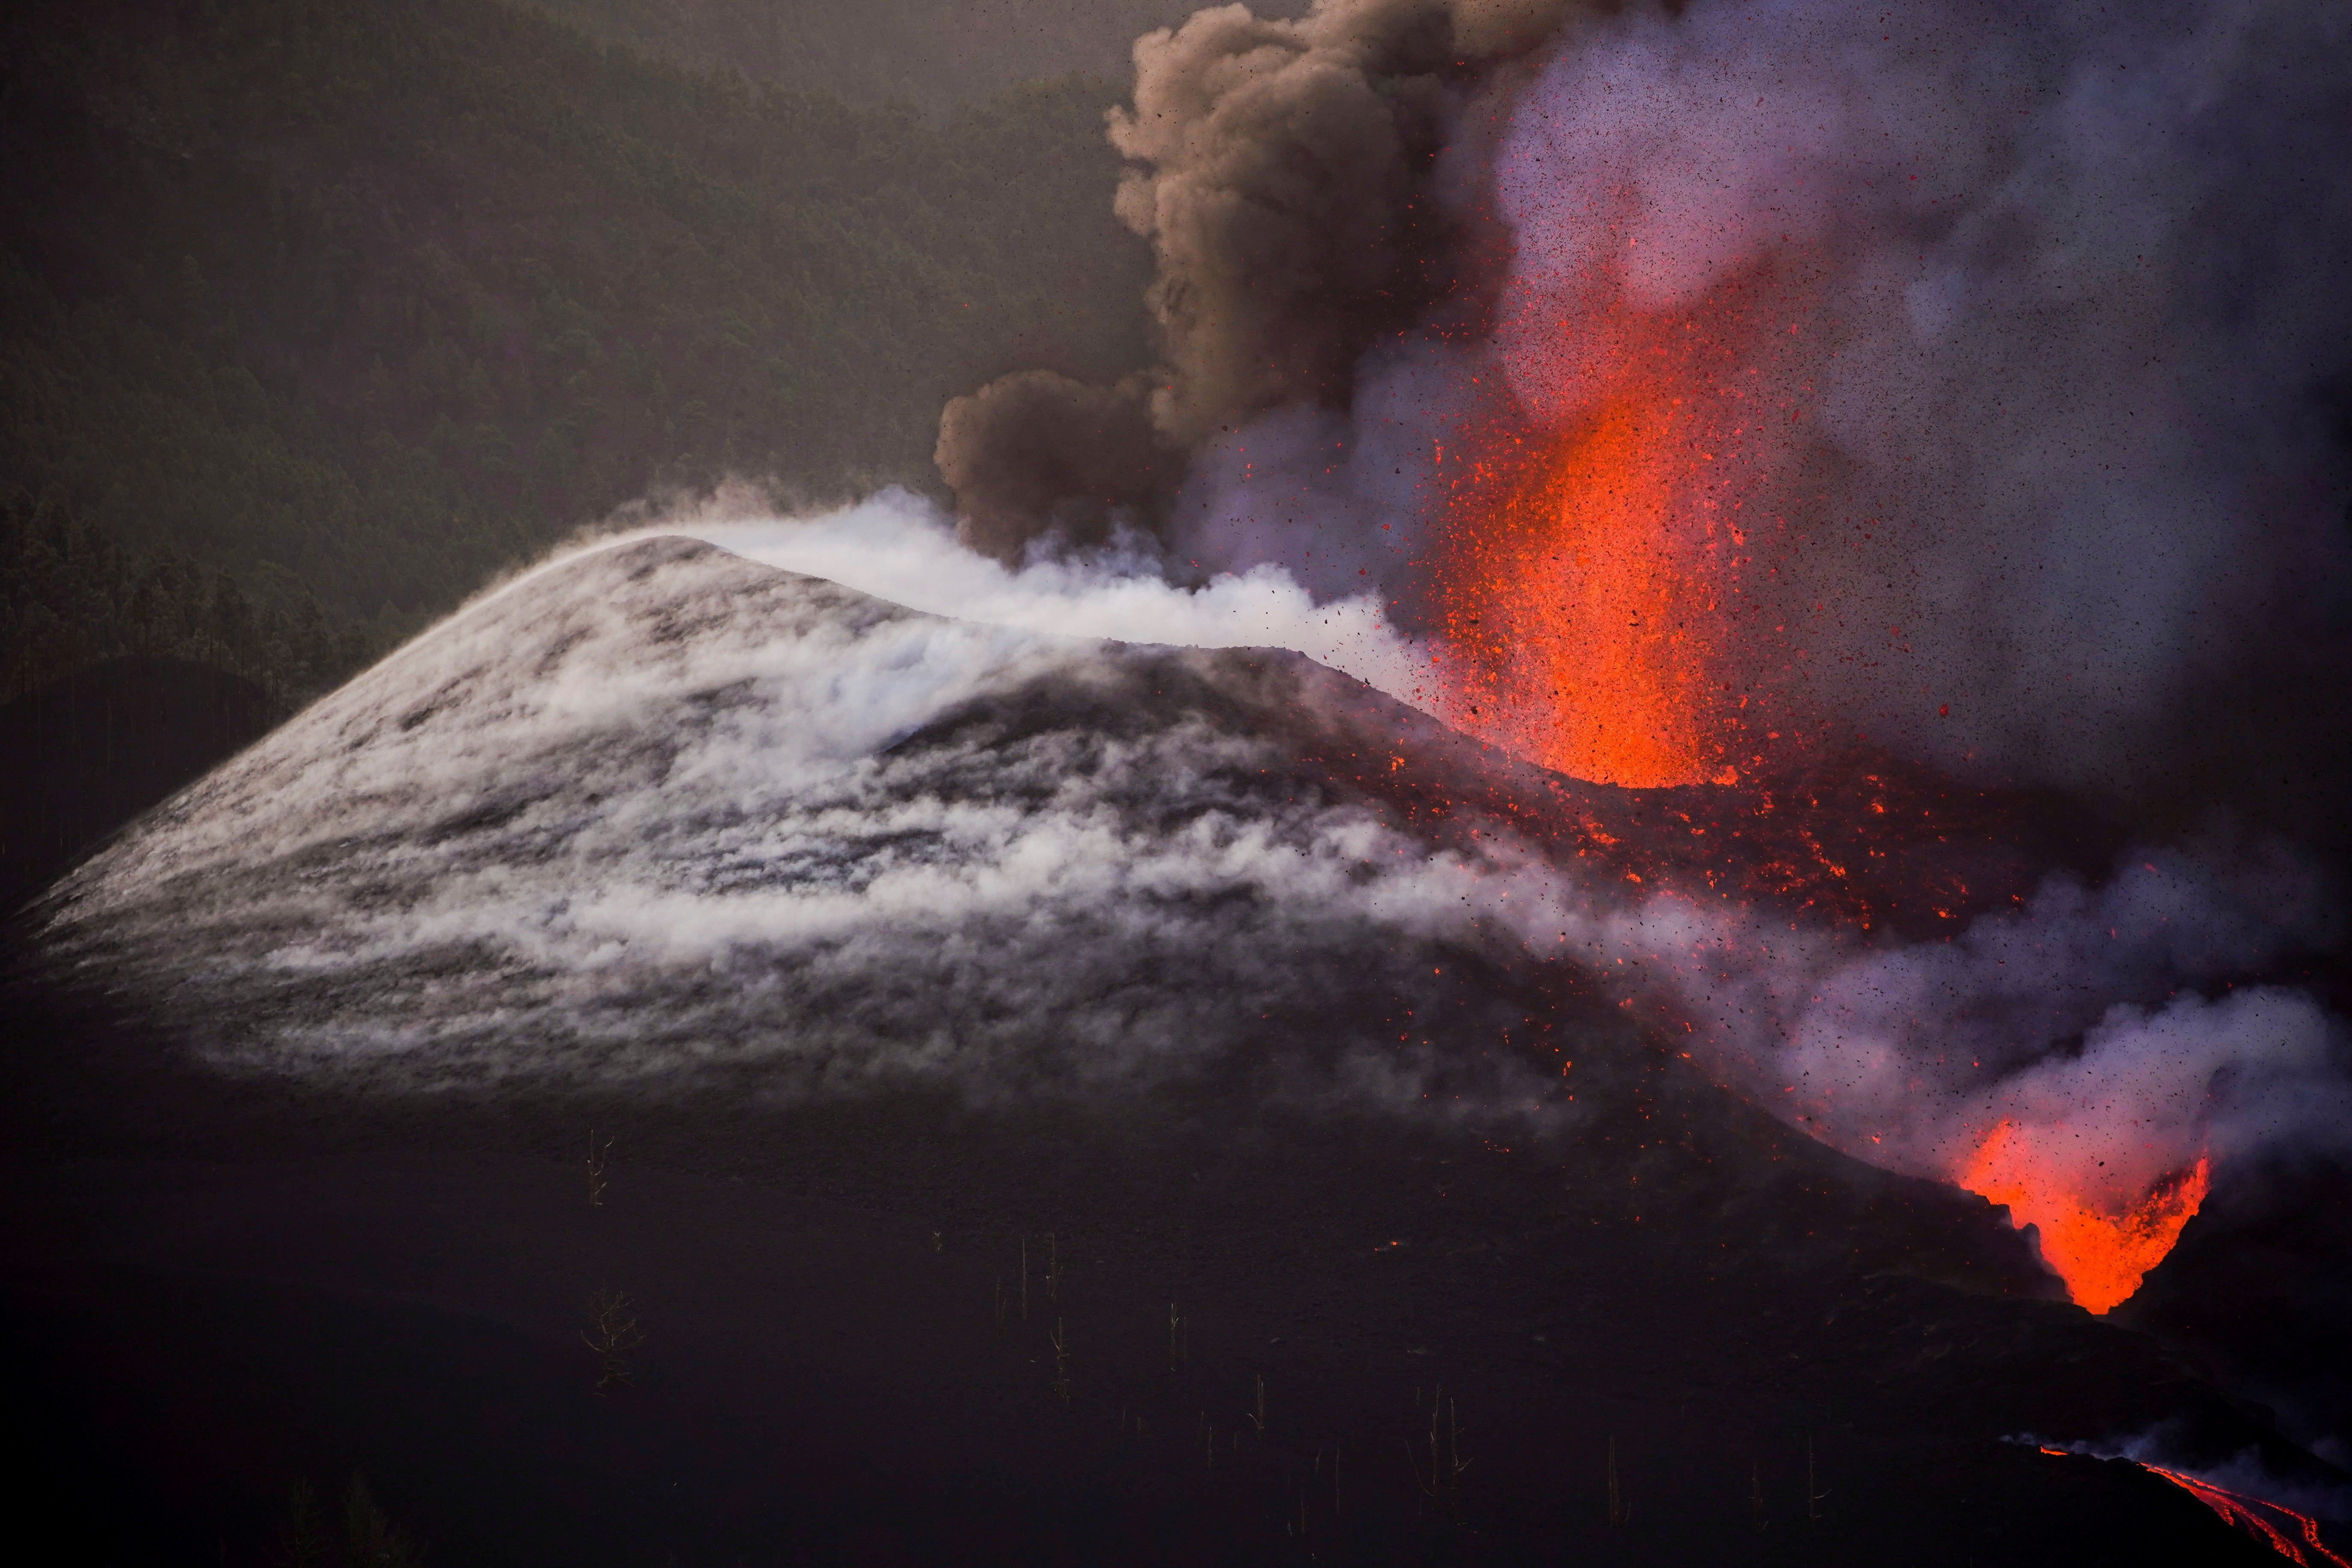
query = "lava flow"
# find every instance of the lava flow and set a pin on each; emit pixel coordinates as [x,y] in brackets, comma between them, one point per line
[2268,1522]
[2101,1254]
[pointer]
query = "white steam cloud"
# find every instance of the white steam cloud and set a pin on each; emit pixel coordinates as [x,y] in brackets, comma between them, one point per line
[661,815]
[899,547]
[2082,1019]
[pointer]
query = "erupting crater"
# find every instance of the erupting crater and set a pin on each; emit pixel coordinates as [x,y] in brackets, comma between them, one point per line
[2101,1250]
[1615,580]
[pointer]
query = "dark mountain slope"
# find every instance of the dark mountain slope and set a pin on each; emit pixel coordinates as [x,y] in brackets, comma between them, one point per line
[83,756]
[356,303]
[924,51]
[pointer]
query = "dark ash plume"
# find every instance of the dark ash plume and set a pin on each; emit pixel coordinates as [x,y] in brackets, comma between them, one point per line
[1037,451]
[1285,171]
[1275,168]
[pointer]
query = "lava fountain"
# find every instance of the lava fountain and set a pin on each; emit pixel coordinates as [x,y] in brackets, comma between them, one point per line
[1616,579]
[1596,575]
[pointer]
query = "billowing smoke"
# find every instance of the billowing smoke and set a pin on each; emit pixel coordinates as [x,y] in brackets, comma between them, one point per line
[2032,319]
[1037,451]
[1285,172]
[2112,1030]
[1278,168]
[1980,373]
[2060,307]
[899,547]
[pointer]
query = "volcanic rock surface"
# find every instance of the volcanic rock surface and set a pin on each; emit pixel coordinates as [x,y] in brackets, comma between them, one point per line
[948,991]
[661,815]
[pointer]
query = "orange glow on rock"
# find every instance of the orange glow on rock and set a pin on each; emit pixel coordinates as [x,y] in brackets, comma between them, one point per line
[2101,1252]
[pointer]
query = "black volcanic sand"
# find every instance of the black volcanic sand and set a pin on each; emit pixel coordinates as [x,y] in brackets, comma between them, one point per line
[227,1287]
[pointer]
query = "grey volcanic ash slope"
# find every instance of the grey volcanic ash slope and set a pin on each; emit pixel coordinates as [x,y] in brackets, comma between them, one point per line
[660,827]
[661,815]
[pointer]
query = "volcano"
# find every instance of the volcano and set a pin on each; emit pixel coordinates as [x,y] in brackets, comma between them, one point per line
[759,1073]
[660,813]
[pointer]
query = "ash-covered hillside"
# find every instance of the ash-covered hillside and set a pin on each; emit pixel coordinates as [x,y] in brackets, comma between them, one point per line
[662,815]
[663,827]
[1264,1002]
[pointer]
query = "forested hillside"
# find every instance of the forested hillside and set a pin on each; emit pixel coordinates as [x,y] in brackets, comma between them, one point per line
[354,303]
[923,51]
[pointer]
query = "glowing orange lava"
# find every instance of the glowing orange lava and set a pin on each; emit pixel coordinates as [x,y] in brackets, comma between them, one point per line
[2101,1253]
[2259,1517]
[1591,575]
[2266,1521]
[1600,615]
[1632,552]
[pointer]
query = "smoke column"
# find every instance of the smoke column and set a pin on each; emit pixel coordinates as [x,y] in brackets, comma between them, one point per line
[2045,307]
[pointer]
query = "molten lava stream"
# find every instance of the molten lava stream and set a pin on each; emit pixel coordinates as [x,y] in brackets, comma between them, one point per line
[2249,1514]
[2252,1514]
[2101,1252]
